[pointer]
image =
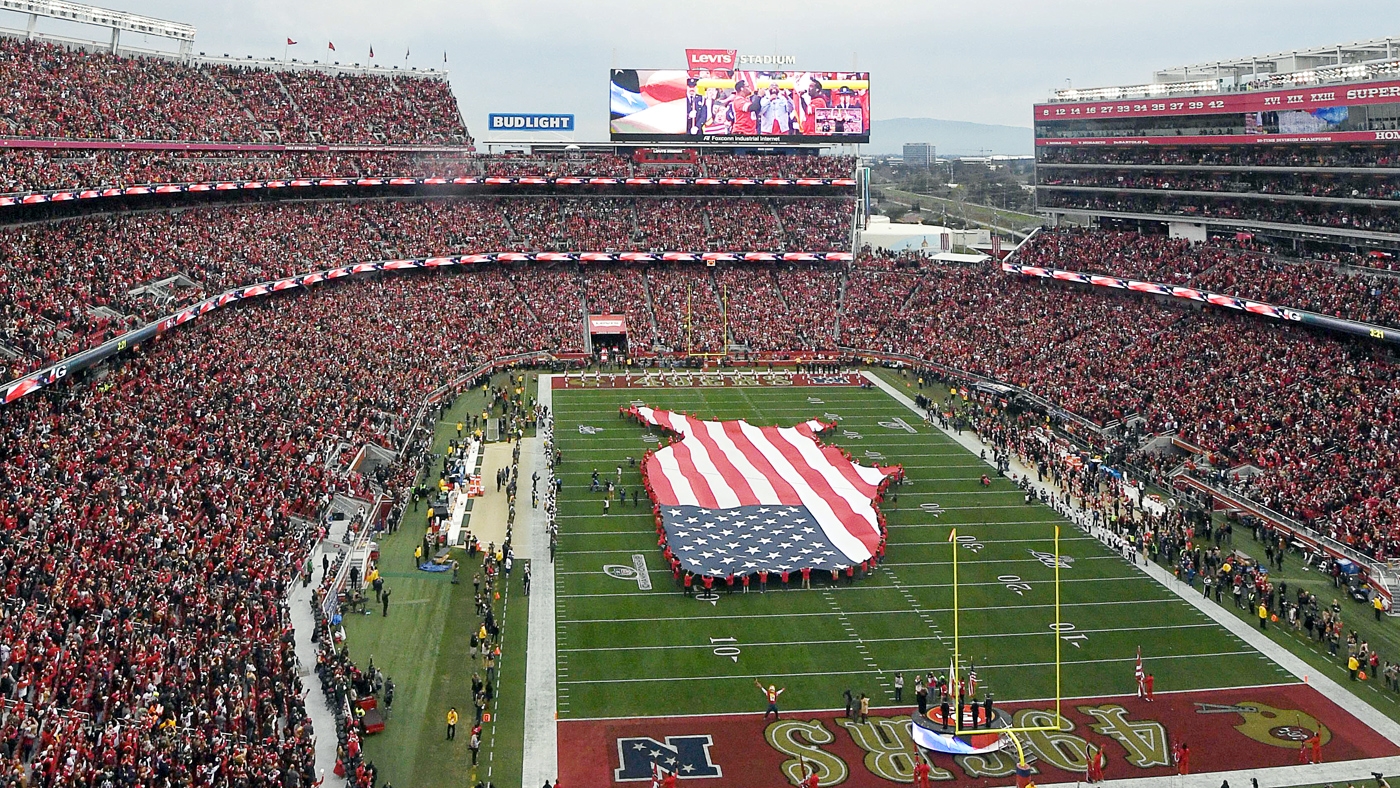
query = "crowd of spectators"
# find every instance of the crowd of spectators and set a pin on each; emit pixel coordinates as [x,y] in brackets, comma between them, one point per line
[1342,186]
[1319,417]
[164,657]
[1315,414]
[71,284]
[40,169]
[52,169]
[1352,217]
[719,165]
[620,290]
[603,165]
[1223,266]
[686,307]
[785,308]
[52,91]
[1227,156]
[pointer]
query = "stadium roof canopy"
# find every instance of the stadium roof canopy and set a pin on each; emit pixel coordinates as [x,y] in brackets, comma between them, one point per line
[1354,62]
[1377,50]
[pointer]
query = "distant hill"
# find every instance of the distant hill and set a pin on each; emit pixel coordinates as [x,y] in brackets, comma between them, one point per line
[950,137]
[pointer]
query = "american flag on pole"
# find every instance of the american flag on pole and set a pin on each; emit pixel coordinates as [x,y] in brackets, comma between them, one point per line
[734,498]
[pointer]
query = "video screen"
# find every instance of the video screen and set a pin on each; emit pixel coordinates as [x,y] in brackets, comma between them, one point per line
[740,106]
[1296,121]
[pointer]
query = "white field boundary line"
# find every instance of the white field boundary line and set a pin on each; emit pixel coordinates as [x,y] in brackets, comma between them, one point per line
[540,747]
[1038,634]
[1009,665]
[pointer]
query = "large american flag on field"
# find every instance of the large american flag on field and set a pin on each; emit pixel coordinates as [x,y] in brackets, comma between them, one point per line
[734,498]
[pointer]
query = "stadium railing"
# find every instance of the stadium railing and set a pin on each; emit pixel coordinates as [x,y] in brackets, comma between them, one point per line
[1378,575]
[1237,303]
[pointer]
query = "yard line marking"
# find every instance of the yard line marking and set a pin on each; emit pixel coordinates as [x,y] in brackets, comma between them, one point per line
[805,643]
[1018,608]
[1121,660]
[868,587]
[860,644]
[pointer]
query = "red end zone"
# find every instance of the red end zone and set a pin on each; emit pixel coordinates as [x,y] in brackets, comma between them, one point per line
[1224,729]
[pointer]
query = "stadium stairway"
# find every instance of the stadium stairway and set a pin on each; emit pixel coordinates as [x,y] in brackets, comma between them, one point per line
[1281,775]
[303,624]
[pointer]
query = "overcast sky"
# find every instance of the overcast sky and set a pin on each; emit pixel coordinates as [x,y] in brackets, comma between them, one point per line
[985,61]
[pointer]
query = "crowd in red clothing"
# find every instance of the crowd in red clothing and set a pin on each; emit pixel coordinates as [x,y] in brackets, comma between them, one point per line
[71,284]
[164,656]
[165,653]
[40,169]
[51,91]
[1371,218]
[52,169]
[719,165]
[1348,186]
[1332,155]
[1319,416]
[1222,267]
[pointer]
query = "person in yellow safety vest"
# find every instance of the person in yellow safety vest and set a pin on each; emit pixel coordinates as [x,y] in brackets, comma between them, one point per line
[1263,617]
[1378,605]
[417,556]
[452,723]
[1353,665]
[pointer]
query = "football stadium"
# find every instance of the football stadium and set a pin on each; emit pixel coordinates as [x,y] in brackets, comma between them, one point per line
[342,447]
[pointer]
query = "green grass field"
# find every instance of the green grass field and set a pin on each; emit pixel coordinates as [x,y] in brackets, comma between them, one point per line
[623,651]
[422,646]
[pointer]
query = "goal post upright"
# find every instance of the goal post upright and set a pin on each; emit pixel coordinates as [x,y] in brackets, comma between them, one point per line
[1055,628]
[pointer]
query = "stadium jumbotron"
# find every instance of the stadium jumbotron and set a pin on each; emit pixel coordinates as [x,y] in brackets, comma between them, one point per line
[804,464]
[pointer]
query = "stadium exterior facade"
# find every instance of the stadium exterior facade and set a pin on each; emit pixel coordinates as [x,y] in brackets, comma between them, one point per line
[1302,148]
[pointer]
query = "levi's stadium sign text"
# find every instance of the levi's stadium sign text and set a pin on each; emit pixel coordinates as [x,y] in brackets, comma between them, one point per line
[523,121]
[697,59]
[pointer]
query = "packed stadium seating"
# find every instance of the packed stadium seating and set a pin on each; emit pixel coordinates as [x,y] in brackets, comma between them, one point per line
[1223,267]
[44,317]
[1316,415]
[50,169]
[1232,156]
[1350,217]
[50,91]
[31,169]
[166,654]
[1345,186]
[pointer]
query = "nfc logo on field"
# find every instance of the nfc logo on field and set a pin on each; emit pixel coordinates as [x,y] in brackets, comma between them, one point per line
[687,756]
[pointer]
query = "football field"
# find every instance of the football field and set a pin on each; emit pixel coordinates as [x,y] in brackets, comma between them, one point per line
[625,651]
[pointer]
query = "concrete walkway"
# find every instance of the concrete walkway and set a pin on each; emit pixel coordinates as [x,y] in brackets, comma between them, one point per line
[541,748]
[303,624]
[1277,776]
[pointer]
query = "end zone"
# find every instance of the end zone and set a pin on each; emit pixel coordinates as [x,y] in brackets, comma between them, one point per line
[1225,729]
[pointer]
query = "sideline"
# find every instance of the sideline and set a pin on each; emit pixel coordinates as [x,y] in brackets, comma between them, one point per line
[541,745]
[303,624]
[1285,775]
